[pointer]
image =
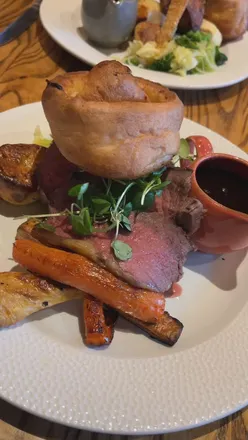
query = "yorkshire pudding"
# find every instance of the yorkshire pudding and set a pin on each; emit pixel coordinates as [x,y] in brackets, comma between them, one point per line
[111,123]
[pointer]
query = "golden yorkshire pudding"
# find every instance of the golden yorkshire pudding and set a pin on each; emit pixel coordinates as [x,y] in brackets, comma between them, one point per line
[230,16]
[112,124]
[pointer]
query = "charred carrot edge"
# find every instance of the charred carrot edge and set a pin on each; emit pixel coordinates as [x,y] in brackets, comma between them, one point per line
[76,271]
[99,323]
[166,330]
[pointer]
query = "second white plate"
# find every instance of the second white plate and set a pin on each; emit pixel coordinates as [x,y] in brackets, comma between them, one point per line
[62,20]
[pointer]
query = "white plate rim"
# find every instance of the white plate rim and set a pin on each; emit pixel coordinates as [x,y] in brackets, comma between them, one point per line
[233,399]
[223,77]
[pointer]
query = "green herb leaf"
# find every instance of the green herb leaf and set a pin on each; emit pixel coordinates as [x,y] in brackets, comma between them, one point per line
[159,173]
[148,201]
[101,206]
[184,150]
[122,250]
[46,226]
[81,224]
[160,186]
[78,190]
[126,222]
[128,209]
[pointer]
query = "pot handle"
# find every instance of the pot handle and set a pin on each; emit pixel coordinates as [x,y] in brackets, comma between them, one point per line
[199,145]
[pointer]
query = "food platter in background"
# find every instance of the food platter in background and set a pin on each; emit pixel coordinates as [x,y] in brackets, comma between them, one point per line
[62,20]
[46,370]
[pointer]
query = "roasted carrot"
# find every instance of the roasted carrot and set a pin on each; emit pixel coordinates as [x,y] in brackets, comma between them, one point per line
[98,322]
[76,271]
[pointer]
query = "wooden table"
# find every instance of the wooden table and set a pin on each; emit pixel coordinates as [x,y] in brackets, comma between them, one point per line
[24,65]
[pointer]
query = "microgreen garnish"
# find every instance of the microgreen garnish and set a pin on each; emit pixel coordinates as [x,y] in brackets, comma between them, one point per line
[121,250]
[46,226]
[107,205]
[113,203]
[78,191]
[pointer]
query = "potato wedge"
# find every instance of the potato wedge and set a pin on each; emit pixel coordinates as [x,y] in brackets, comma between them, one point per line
[22,294]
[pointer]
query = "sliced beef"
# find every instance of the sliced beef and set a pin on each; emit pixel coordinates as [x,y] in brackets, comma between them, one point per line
[175,202]
[159,249]
[160,246]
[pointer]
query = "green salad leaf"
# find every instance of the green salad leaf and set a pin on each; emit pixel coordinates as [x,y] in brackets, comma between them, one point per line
[184,150]
[39,139]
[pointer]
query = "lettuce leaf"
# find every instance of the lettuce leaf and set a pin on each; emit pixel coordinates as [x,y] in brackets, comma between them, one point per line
[39,139]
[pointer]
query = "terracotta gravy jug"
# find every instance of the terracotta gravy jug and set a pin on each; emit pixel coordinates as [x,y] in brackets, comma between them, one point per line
[224,227]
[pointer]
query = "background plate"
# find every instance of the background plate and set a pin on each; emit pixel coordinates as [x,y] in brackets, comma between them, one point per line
[136,385]
[62,20]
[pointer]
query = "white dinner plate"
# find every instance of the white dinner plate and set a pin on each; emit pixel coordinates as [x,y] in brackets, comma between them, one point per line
[135,386]
[62,20]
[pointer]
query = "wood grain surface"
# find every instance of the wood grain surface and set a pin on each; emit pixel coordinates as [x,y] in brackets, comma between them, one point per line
[25,63]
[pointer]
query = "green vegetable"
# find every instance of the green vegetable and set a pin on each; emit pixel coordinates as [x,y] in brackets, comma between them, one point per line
[163,64]
[46,226]
[101,206]
[128,209]
[134,61]
[78,190]
[39,139]
[192,39]
[81,223]
[121,250]
[147,202]
[184,150]
[183,153]
[125,222]
[220,58]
